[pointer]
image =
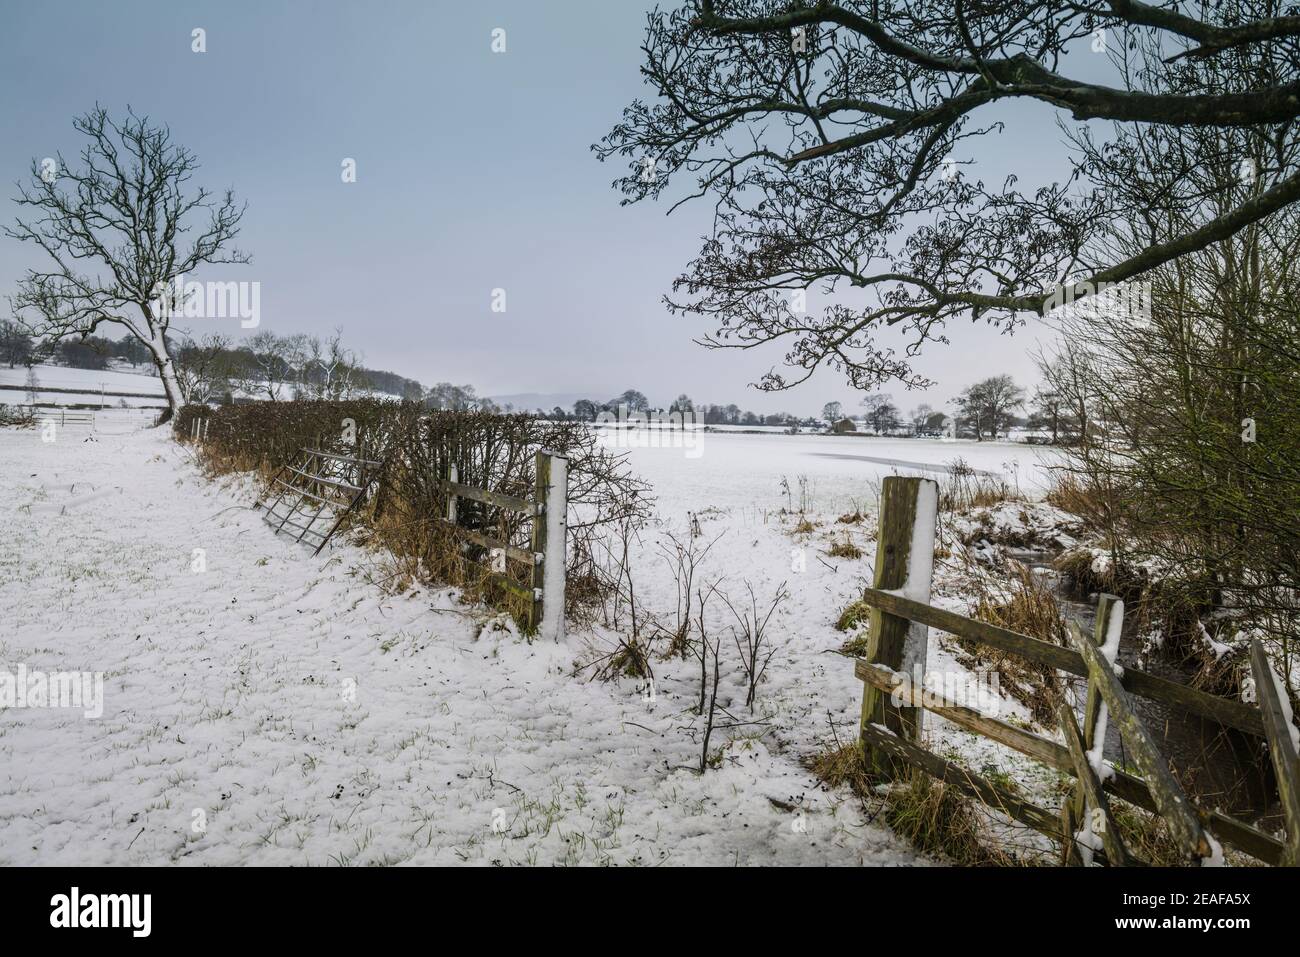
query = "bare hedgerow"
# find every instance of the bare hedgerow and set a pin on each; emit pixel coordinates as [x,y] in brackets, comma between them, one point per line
[418,449]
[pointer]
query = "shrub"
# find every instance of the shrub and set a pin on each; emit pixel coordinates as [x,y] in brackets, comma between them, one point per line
[417,449]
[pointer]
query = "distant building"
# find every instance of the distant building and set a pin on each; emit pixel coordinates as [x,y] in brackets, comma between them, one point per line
[843,426]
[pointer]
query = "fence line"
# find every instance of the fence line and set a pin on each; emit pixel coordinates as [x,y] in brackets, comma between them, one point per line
[544,558]
[891,726]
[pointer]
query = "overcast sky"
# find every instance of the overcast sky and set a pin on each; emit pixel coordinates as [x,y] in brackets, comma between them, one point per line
[473,173]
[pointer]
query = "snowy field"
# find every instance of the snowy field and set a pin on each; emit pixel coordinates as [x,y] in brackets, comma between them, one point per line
[738,471]
[264,706]
[89,380]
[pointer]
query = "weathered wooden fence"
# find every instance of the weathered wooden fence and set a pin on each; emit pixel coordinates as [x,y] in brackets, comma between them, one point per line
[544,558]
[895,698]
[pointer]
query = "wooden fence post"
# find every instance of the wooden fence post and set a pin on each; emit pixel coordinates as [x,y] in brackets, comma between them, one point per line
[1182,821]
[549,535]
[1110,614]
[452,476]
[1281,747]
[904,564]
[1102,821]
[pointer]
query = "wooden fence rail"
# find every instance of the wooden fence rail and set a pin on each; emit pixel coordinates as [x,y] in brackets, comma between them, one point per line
[1053,754]
[894,697]
[1282,746]
[1225,711]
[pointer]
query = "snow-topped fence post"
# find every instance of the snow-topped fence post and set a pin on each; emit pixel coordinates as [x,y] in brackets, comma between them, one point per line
[550,530]
[1283,746]
[452,478]
[1105,635]
[904,565]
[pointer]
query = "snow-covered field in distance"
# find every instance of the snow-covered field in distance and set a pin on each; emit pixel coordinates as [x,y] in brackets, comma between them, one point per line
[90,380]
[63,377]
[740,470]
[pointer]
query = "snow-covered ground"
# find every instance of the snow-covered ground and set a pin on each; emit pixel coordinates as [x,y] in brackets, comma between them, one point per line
[91,381]
[697,470]
[264,706]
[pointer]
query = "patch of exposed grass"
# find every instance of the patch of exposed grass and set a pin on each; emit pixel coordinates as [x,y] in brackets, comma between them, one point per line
[845,549]
[939,820]
[936,819]
[853,616]
[843,766]
[1029,608]
[856,647]
[1146,836]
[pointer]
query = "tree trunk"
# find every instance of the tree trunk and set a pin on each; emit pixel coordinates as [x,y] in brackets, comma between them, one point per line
[167,372]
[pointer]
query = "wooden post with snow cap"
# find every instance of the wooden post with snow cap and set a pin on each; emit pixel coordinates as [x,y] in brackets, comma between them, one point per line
[904,565]
[1105,635]
[1180,817]
[549,536]
[452,478]
[1283,746]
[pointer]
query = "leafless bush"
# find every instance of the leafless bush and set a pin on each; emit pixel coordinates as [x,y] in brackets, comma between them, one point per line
[22,416]
[750,637]
[683,558]
[708,692]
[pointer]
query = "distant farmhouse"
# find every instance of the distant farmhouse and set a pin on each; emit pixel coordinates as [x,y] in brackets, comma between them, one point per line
[844,426]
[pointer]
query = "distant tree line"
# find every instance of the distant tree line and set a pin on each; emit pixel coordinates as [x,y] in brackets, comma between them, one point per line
[273,367]
[265,366]
[634,401]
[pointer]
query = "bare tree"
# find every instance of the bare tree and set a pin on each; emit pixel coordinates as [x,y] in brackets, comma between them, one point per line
[1192,446]
[830,142]
[1048,410]
[273,364]
[988,404]
[332,371]
[15,343]
[881,413]
[452,398]
[1069,376]
[118,231]
[204,367]
[920,417]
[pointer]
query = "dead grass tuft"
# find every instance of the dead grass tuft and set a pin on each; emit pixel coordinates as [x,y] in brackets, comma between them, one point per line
[939,820]
[856,647]
[845,549]
[1028,607]
[842,766]
[965,488]
[855,615]
[934,818]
